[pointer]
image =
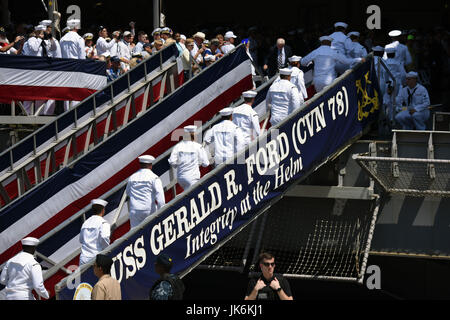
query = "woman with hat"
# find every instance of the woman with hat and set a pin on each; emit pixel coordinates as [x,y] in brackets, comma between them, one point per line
[90,48]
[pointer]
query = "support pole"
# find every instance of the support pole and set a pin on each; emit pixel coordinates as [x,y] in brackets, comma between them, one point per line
[156,14]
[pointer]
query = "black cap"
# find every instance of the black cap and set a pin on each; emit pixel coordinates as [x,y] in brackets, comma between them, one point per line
[164,260]
[104,262]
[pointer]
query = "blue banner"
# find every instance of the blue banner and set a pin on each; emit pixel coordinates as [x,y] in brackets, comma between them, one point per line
[232,195]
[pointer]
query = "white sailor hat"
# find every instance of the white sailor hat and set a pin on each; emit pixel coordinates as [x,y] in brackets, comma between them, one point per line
[226,111]
[157,30]
[106,54]
[46,22]
[190,128]
[389,49]
[341,24]
[88,36]
[229,34]
[73,23]
[182,36]
[285,71]
[353,33]
[249,94]
[40,27]
[210,57]
[378,49]
[146,159]
[325,38]
[294,58]
[412,74]
[395,33]
[166,30]
[30,241]
[65,30]
[126,33]
[101,202]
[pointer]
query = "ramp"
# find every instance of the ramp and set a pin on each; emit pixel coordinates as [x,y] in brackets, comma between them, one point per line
[226,200]
[111,161]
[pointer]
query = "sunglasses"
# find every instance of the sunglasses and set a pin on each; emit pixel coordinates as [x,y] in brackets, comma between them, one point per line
[267,264]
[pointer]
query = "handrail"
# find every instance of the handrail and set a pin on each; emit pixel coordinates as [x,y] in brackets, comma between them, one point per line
[72,129]
[142,66]
[84,210]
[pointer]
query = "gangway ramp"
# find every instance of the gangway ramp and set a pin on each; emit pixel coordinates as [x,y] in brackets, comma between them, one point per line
[114,159]
[33,160]
[227,199]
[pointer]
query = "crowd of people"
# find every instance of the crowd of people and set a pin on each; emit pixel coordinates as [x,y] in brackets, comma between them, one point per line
[424,52]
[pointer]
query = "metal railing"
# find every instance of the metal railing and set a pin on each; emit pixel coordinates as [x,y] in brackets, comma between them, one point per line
[83,117]
[117,221]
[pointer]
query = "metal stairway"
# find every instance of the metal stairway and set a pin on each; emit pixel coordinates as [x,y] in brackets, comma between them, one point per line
[138,237]
[65,227]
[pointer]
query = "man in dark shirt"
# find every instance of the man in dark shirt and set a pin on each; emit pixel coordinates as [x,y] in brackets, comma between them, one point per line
[268,286]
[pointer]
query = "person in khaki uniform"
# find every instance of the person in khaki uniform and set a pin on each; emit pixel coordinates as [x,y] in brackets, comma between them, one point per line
[107,288]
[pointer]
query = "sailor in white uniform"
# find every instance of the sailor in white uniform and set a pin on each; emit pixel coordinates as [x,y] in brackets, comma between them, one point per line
[54,50]
[382,74]
[37,47]
[22,273]
[102,45]
[412,103]
[342,44]
[186,157]
[325,59]
[227,137]
[145,192]
[402,54]
[33,46]
[283,97]
[72,44]
[396,68]
[356,50]
[95,232]
[246,118]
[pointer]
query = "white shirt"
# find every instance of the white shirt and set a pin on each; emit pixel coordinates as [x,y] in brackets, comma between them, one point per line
[227,47]
[401,53]
[72,46]
[194,52]
[21,274]
[55,48]
[32,47]
[103,46]
[122,50]
[356,50]
[298,79]
[228,139]
[341,42]
[247,119]
[187,156]
[282,99]
[145,189]
[94,237]
[420,99]
[325,59]
[397,70]
[138,48]
[91,50]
